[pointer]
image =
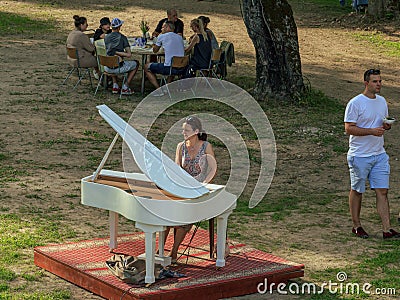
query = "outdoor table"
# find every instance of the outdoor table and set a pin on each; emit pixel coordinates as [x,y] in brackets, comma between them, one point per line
[145,52]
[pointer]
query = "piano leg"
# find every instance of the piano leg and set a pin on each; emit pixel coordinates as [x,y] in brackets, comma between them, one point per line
[113,220]
[211,230]
[150,246]
[222,224]
[161,239]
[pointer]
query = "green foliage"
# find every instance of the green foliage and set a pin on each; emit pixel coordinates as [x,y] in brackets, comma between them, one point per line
[6,275]
[3,287]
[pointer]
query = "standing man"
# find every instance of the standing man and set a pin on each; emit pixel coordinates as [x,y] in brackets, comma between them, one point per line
[367,158]
[117,44]
[173,46]
[172,16]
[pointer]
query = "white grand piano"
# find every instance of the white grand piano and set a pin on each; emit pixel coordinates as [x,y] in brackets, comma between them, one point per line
[163,195]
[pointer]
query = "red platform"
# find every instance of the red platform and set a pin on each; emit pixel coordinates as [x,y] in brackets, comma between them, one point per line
[83,263]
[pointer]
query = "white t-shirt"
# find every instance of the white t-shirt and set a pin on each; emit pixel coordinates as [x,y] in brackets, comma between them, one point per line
[172,44]
[366,113]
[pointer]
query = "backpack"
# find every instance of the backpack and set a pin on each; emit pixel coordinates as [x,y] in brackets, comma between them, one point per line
[129,269]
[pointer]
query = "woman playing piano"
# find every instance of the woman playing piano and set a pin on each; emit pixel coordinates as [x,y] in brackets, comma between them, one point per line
[196,156]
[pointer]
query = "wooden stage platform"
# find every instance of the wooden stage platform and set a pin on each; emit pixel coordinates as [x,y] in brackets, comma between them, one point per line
[83,263]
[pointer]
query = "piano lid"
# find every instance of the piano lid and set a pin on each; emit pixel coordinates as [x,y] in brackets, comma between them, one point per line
[157,166]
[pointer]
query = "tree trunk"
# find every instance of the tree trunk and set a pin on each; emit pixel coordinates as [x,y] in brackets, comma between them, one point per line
[272,29]
[393,9]
[376,8]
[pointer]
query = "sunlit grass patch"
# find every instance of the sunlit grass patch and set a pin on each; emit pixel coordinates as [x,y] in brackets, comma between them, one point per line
[11,23]
[21,234]
[10,174]
[53,295]
[329,7]
[17,235]
[381,271]
[386,263]
[391,48]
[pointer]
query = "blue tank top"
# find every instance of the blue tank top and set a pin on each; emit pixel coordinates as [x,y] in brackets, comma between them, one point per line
[202,54]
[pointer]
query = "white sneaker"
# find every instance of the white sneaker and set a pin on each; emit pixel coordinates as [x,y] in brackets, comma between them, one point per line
[95,75]
[127,92]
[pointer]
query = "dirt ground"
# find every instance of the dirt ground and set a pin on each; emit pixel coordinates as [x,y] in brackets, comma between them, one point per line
[47,129]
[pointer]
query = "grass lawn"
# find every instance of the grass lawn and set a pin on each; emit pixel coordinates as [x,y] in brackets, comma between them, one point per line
[51,137]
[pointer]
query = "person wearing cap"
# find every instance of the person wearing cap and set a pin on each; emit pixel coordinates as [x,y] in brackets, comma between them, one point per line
[211,35]
[117,44]
[172,16]
[104,28]
[79,40]
[173,46]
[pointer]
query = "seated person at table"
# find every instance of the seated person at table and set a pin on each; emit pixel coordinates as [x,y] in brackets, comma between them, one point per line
[201,45]
[103,29]
[172,16]
[173,46]
[211,35]
[79,40]
[117,44]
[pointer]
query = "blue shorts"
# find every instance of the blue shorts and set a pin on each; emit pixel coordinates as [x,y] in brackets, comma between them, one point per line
[159,68]
[375,168]
[127,66]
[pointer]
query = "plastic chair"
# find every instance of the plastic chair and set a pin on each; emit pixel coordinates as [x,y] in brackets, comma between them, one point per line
[76,66]
[178,67]
[100,50]
[215,61]
[110,62]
